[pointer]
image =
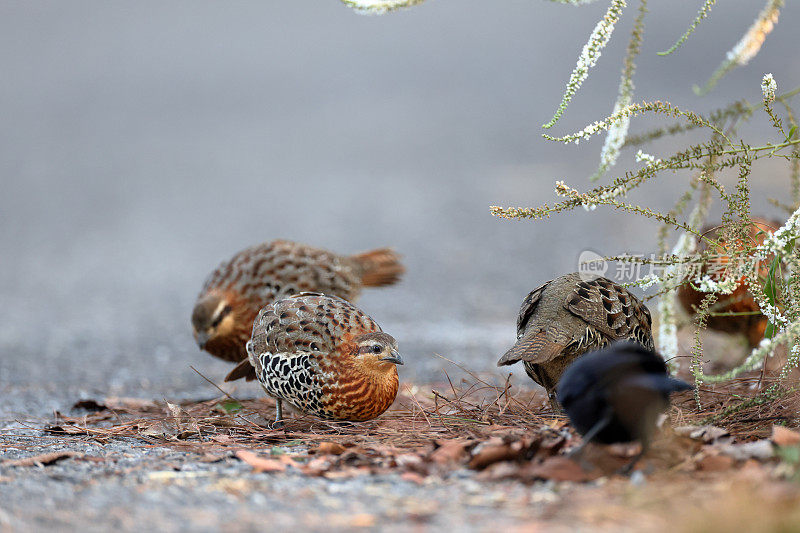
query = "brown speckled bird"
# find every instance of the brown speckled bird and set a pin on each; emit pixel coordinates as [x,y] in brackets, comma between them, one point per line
[325,357]
[744,315]
[239,288]
[567,317]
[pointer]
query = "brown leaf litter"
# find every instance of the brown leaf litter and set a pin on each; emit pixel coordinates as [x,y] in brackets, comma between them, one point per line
[487,429]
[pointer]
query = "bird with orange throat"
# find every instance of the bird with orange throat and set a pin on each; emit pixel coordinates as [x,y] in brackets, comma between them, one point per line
[234,293]
[325,357]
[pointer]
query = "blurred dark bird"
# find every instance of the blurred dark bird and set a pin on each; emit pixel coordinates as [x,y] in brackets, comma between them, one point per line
[239,288]
[325,357]
[567,317]
[616,394]
[737,312]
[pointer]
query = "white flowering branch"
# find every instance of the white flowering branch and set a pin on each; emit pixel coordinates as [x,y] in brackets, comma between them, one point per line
[704,11]
[379,7]
[574,2]
[668,325]
[758,355]
[633,110]
[589,56]
[748,46]
[617,133]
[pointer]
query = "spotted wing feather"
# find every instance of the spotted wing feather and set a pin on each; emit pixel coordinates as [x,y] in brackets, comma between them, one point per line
[309,322]
[611,309]
[528,307]
[273,270]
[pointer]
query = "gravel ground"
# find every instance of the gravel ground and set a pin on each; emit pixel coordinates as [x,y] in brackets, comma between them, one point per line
[158,489]
[142,144]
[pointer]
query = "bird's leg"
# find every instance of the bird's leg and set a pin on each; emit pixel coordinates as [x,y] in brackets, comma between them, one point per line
[278,414]
[597,428]
[628,468]
[554,403]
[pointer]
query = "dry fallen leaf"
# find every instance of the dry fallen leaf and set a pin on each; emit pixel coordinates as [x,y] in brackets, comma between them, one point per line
[42,459]
[561,468]
[714,463]
[158,430]
[179,414]
[89,405]
[703,433]
[330,448]
[65,429]
[347,472]
[410,461]
[551,446]
[450,451]
[261,464]
[783,436]
[316,466]
[488,455]
[500,471]
[413,477]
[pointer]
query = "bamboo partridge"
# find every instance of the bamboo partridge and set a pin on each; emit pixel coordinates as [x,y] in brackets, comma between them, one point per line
[737,312]
[234,293]
[567,317]
[325,357]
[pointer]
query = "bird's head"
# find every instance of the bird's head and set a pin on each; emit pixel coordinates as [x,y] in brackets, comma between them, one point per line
[212,318]
[377,353]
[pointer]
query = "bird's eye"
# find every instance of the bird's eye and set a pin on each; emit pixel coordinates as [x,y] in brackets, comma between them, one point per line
[377,349]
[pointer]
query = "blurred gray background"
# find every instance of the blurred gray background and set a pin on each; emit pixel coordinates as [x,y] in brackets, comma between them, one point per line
[142,143]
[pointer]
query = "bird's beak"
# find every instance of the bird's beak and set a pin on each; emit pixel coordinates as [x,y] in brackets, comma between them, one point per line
[202,339]
[393,358]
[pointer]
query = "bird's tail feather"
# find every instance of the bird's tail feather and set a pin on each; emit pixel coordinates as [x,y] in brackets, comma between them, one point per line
[379,267]
[533,349]
[243,370]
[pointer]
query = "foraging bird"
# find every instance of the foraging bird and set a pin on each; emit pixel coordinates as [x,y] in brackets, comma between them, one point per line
[616,394]
[325,357]
[233,294]
[567,317]
[737,312]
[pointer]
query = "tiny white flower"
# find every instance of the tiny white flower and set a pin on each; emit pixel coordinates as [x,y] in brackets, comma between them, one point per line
[768,88]
[648,281]
[641,156]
